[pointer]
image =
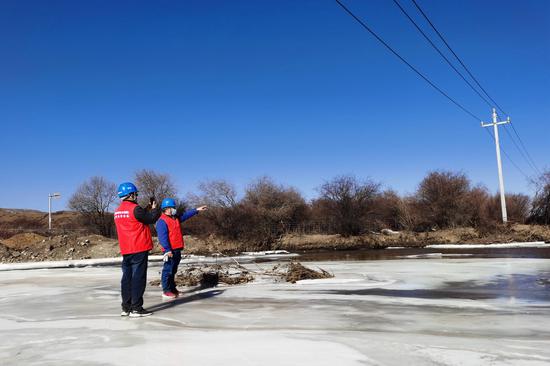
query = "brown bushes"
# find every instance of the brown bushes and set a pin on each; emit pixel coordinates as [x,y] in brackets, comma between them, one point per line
[350,207]
[517,208]
[540,210]
[440,199]
[259,218]
[349,204]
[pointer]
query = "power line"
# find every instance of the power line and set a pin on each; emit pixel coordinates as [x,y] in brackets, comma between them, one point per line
[365,26]
[523,145]
[508,157]
[455,55]
[528,157]
[427,38]
[406,62]
[440,53]
[530,162]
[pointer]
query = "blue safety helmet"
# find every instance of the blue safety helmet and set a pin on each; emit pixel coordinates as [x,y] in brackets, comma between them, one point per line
[126,188]
[168,202]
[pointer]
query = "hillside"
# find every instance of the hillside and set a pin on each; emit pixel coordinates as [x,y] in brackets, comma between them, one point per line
[14,221]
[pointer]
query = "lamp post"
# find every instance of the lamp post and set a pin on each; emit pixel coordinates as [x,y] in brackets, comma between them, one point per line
[50,196]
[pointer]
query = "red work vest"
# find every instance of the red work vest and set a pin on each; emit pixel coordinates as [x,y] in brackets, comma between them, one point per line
[133,236]
[174,231]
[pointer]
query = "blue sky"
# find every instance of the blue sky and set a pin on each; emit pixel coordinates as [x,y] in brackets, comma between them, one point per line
[238,89]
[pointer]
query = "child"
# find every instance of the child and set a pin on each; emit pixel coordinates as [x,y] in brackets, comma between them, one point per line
[171,240]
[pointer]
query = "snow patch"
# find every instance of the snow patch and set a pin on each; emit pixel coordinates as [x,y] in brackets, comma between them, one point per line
[189,260]
[533,244]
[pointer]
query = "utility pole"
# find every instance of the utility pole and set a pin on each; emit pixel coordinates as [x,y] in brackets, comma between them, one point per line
[495,124]
[50,196]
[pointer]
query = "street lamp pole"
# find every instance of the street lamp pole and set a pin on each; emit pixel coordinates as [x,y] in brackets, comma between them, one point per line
[50,196]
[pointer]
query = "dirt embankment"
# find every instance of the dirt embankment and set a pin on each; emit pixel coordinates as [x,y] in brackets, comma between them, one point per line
[34,247]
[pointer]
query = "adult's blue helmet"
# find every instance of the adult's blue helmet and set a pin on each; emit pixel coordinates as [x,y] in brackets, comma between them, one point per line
[126,188]
[168,202]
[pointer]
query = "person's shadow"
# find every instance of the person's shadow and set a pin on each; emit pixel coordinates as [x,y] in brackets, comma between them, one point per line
[186,299]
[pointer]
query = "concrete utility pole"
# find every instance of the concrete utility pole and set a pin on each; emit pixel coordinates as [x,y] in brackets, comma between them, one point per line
[50,196]
[495,124]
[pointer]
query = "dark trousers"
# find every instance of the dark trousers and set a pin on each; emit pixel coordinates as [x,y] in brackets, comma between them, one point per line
[134,280]
[169,270]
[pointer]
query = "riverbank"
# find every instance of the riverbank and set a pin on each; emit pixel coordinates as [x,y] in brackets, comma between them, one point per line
[29,247]
[381,240]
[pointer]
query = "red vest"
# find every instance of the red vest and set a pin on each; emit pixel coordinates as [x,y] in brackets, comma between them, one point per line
[133,236]
[174,231]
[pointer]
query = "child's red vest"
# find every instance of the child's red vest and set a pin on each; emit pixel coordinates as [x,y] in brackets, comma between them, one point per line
[133,236]
[174,231]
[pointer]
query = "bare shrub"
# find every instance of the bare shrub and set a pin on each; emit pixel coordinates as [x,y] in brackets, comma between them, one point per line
[349,204]
[392,211]
[265,212]
[408,217]
[517,208]
[93,199]
[540,209]
[440,199]
[474,204]
[271,208]
[221,198]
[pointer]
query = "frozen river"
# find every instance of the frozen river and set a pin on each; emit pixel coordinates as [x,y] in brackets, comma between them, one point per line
[438,311]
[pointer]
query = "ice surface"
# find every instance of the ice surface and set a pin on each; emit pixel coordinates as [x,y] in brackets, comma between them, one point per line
[439,311]
[188,259]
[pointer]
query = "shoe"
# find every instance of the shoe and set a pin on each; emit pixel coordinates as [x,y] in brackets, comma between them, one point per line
[176,292]
[125,313]
[140,313]
[169,295]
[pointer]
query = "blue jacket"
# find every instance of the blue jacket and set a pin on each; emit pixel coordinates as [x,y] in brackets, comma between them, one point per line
[162,229]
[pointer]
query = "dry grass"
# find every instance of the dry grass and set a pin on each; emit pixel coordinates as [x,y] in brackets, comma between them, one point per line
[296,272]
[210,276]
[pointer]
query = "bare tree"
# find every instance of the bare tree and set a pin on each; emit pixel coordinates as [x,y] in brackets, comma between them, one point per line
[265,193]
[222,216]
[540,210]
[215,193]
[153,184]
[350,203]
[93,199]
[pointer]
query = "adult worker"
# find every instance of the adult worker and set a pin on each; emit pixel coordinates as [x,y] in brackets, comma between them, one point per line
[171,240]
[135,241]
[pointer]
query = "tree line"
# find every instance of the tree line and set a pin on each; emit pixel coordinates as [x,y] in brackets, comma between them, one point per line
[345,205]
